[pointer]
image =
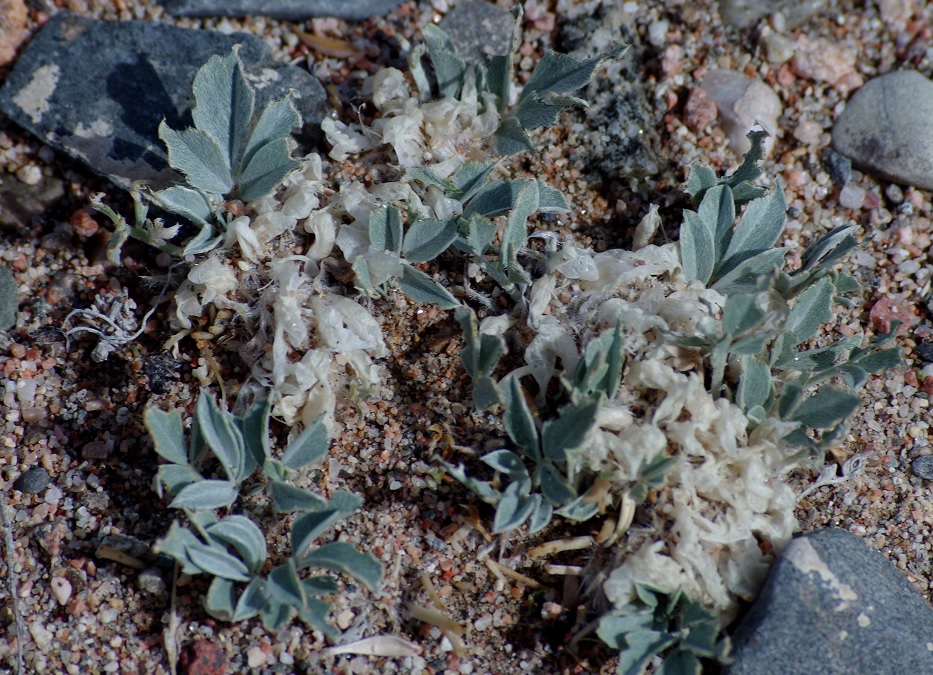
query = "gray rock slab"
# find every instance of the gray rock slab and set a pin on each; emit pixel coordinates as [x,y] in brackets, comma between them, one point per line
[479,29]
[621,138]
[747,13]
[287,10]
[885,128]
[97,91]
[834,606]
[922,467]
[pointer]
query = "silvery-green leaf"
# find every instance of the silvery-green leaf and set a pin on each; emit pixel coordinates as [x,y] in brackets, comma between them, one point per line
[578,510]
[567,431]
[701,179]
[275,123]
[245,536]
[198,156]
[613,627]
[421,288]
[507,462]
[541,515]
[449,68]
[223,104]
[510,139]
[193,205]
[287,498]
[749,170]
[314,614]
[251,601]
[254,426]
[283,585]
[499,67]
[551,200]
[554,487]
[485,393]
[276,615]
[222,435]
[480,234]
[176,544]
[470,177]
[526,203]
[533,112]
[495,198]
[206,495]
[790,397]
[828,248]
[480,488]
[744,277]
[220,601]
[428,238]
[218,561]
[385,229]
[512,510]
[309,446]
[519,424]
[697,248]
[812,308]
[174,477]
[320,585]
[309,526]
[680,662]
[881,360]
[826,407]
[345,502]
[424,175]
[718,212]
[168,434]
[758,230]
[741,313]
[755,387]
[641,646]
[562,73]
[205,240]
[343,557]
[265,170]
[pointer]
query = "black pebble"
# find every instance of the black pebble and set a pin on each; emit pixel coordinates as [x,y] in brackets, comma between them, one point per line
[923,467]
[32,481]
[161,370]
[839,167]
[925,351]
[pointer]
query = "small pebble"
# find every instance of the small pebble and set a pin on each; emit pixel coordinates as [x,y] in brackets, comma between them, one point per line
[61,589]
[255,657]
[922,467]
[838,166]
[29,174]
[894,193]
[852,197]
[32,481]
[151,581]
[925,351]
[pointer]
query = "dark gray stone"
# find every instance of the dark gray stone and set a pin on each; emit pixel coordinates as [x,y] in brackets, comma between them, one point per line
[287,10]
[922,467]
[834,606]
[839,166]
[747,13]
[32,481]
[925,351]
[618,107]
[479,29]
[98,90]
[885,128]
[9,299]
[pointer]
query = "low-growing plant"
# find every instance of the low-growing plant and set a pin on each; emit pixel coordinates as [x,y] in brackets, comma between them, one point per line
[659,623]
[221,540]
[231,153]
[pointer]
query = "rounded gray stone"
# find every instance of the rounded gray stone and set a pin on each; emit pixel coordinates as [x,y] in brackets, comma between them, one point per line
[834,606]
[922,467]
[885,128]
[32,481]
[479,29]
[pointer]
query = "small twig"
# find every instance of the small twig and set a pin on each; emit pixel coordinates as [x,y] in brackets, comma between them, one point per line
[11,586]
